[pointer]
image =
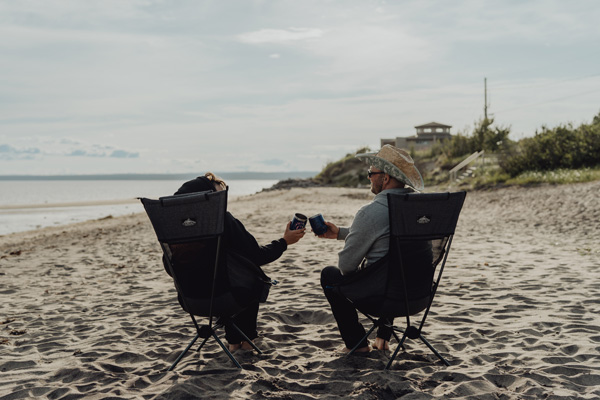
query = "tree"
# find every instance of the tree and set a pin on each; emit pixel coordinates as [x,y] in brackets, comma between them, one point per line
[488,137]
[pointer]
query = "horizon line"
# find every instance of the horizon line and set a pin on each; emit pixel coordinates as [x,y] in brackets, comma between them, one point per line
[154,176]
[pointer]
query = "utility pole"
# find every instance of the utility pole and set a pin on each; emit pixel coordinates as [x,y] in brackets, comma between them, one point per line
[485,98]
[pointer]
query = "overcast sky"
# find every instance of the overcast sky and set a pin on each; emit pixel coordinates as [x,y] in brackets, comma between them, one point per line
[150,86]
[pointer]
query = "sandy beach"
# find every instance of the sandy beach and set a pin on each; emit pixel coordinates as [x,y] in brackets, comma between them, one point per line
[87,310]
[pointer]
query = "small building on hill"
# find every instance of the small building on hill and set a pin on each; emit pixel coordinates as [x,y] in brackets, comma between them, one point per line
[427,135]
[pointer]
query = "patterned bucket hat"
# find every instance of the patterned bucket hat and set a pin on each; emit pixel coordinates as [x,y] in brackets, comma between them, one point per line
[397,163]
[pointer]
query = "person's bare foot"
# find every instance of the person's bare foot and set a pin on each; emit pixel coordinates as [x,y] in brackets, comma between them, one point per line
[365,349]
[246,346]
[381,344]
[243,345]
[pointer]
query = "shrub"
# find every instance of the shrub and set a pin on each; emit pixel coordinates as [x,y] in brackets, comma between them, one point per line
[347,172]
[560,147]
[485,136]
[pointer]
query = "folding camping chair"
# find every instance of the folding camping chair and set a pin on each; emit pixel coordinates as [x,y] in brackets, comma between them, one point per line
[404,283]
[208,278]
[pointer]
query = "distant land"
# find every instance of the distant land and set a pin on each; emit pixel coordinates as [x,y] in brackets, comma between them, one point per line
[181,176]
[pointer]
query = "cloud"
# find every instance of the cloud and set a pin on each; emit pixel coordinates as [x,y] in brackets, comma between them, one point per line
[68,141]
[113,154]
[124,154]
[8,152]
[5,148]
[78,153]
[280,36]
[371,51]
[273,162]
[84,153]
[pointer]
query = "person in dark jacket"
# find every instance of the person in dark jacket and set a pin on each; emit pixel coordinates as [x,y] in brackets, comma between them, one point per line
[238,240]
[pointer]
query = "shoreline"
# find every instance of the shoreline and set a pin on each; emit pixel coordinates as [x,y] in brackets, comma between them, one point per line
[68,204]
[30,217]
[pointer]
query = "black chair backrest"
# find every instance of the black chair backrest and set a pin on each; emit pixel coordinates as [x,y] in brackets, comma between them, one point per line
[421,228]
[189,228]
[188,217]
[424,215]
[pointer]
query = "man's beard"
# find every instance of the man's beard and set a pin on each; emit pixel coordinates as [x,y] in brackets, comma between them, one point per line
[376,186]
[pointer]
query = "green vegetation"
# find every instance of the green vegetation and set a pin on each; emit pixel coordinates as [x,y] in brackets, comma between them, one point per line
[557,176]
[563,147]
[564,154]
[347,172]
[492,176]
[485,136]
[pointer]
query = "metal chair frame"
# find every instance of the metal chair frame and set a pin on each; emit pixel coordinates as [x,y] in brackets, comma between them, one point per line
[205,331]
[411,331]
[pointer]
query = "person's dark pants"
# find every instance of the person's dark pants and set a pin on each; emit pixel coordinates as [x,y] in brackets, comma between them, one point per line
[246,321]
[344,312]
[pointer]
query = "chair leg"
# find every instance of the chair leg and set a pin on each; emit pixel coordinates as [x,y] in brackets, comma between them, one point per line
[246,338]
[360,341]
[219,324]
[184,351]
[226,350]
[206,331]
[400,346]
[389,364]
[202,344]
[434,351]
[395,336]
[401,341]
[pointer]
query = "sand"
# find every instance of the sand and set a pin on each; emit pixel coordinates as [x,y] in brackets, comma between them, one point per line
[88,312]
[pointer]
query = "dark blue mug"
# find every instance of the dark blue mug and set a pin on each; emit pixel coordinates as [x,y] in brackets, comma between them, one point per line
[317,222]
[298,222]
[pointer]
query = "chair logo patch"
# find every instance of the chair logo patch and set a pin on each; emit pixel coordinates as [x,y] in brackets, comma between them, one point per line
[188,222]
[423,219]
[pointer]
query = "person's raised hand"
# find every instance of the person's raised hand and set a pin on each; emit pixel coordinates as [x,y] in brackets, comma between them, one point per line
[332,231]
[292,236]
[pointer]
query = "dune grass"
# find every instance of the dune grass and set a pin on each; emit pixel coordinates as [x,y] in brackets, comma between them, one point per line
[494,177]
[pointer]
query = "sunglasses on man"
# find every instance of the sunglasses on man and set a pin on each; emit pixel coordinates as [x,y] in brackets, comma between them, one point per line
[371,173]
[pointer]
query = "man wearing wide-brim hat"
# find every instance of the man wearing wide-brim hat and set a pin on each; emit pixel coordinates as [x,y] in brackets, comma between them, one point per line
[391,170]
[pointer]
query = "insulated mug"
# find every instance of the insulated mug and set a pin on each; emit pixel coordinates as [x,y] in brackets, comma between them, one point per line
[317,222]
[298,222]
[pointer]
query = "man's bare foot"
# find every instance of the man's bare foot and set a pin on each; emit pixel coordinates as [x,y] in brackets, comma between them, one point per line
[246,346]
[381,344]
[234,347]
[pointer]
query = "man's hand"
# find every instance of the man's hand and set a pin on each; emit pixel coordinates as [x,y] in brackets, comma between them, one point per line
[292,236]
[332,231]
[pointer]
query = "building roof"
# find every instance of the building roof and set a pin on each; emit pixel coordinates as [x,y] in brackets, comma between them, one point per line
[433,125]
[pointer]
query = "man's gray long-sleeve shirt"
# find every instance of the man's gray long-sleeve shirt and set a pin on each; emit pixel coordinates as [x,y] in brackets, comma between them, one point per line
[367,239]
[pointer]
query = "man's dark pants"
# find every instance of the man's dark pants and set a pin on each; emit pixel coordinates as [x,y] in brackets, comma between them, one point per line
[344,312]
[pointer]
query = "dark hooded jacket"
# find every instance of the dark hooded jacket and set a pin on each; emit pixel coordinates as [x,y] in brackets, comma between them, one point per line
[189,259]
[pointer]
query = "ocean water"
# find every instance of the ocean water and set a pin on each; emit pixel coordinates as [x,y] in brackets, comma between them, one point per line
[27,205]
